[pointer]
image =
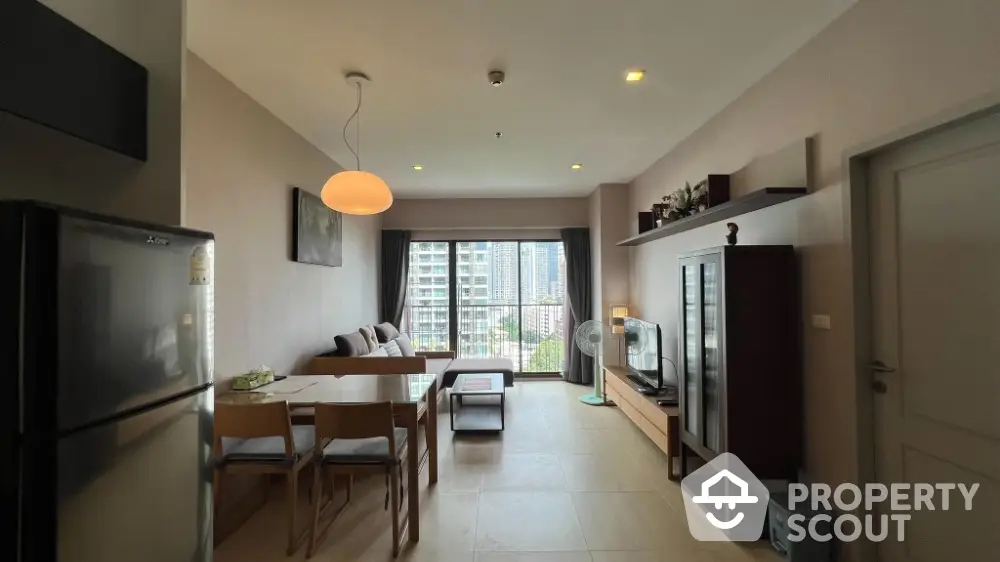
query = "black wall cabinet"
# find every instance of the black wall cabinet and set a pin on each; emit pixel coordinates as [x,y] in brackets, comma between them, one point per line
[740,361]
[58,75]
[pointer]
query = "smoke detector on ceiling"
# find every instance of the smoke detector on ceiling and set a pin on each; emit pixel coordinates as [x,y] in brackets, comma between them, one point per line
[496,77]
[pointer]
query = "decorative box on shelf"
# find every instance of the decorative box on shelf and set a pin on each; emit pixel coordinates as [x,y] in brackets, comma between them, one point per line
[647,221]
[717,186]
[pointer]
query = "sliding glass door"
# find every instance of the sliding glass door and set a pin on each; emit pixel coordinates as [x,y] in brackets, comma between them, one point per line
[487,299]
[543,292]
[426,318]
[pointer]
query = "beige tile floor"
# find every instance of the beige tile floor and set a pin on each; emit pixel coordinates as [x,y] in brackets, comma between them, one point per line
[565,482]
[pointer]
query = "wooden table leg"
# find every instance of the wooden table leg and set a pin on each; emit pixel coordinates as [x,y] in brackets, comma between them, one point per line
[413,473]
[431,427]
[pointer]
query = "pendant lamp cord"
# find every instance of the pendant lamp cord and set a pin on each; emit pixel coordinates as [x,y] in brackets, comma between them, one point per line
[357,131]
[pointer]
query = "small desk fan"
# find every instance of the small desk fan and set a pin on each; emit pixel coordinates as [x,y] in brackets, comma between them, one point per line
[589,337]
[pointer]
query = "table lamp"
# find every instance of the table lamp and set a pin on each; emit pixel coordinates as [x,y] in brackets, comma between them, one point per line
[618,314]
[617,321]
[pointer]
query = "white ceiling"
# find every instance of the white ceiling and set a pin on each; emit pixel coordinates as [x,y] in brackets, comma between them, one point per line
[564,101]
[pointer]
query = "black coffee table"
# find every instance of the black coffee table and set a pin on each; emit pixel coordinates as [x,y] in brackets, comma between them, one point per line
[477,417]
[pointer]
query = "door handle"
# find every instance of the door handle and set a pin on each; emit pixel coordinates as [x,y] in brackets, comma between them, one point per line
[880,367]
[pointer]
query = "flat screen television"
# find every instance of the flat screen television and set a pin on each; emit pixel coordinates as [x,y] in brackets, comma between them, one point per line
[643,352]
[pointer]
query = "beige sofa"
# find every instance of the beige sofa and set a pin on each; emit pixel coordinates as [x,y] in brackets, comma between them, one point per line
[353,354]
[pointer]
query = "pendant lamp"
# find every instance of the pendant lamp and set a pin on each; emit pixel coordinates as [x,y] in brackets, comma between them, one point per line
[356,192]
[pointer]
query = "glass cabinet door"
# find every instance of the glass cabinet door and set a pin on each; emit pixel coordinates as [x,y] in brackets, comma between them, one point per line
[711,384]
[691,292]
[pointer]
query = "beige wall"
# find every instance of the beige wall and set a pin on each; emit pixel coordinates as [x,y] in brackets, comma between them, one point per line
[615,226]
[596,288]
[609,223]
[39,163]
[881,66]
[242,165]
[494,214]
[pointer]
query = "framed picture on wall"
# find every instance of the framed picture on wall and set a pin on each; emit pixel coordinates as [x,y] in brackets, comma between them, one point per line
[317,231]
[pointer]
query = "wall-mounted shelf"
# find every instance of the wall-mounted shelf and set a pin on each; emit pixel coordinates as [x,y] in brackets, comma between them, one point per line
[754,201]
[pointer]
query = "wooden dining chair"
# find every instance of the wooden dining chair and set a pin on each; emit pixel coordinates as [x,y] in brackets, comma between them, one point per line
[260,439]
[357,439]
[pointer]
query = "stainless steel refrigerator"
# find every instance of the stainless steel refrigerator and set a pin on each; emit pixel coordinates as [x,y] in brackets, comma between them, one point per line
[106,333]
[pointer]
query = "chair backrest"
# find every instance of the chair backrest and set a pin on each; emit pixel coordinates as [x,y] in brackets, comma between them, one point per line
[354,421]
[248,421]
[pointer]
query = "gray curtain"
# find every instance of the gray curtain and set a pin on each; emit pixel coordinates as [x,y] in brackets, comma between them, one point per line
[395,269]
[576,246]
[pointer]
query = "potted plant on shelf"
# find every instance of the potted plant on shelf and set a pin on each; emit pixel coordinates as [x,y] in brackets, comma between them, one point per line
[682,203]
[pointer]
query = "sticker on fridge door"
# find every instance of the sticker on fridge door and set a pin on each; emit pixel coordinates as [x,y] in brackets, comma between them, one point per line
[200,267]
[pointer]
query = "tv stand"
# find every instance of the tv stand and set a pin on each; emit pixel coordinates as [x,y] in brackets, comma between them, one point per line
[659,423]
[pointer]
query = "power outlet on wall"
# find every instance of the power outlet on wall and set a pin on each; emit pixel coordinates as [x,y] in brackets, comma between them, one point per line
[821,321]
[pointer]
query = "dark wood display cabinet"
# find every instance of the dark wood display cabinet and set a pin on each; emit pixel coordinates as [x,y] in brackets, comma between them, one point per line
[739,358]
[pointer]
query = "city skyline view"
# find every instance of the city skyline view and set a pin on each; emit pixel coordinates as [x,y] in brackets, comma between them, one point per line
[508,298]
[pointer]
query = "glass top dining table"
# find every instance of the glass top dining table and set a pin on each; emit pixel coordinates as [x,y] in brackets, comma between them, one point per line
[304,390]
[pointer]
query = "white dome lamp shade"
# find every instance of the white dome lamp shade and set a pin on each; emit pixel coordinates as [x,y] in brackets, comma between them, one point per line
[356,192]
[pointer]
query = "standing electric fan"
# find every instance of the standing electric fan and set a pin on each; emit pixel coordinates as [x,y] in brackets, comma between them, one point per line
[589,337]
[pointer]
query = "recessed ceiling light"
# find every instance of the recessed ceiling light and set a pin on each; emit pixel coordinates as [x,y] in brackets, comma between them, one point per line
[634,75]
[418,167]
[576,166]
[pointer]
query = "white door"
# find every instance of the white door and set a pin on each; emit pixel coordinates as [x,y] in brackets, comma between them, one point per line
[935,235]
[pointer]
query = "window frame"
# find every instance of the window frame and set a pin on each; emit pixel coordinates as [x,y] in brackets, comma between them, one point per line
[452,284]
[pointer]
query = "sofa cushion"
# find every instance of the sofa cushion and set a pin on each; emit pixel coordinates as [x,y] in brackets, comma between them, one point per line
[351,345]
[495,365]
[405,347]
[369,334]
[380,352]
[392,349]
[385,332]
